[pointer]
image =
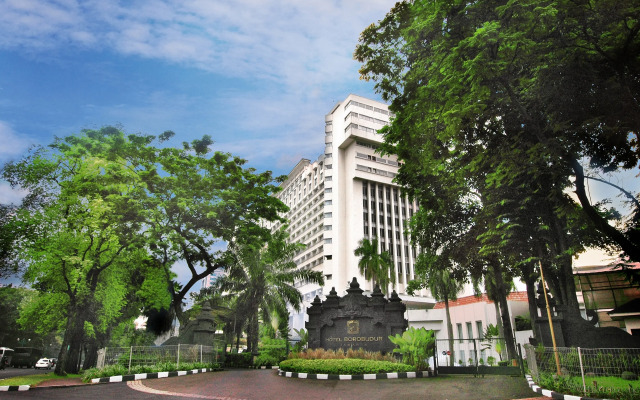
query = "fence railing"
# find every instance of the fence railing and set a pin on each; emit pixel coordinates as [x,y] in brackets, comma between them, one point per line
[153,355]
[471,352]
[583,365]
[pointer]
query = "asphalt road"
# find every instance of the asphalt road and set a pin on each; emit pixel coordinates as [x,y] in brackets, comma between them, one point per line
[10,372]
[266,384]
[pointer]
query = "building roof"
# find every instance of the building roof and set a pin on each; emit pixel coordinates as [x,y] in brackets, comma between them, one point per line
[463,301]
[603,269]
[631,308]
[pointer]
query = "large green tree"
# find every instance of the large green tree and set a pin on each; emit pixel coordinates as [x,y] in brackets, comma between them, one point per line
[83,253]
[198,201]
[505,100]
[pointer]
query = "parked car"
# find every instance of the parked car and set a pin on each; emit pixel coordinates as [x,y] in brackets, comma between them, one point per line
[5,357]
[44,363]
[26,357]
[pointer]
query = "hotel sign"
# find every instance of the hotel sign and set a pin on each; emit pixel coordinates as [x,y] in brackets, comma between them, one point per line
[355,321]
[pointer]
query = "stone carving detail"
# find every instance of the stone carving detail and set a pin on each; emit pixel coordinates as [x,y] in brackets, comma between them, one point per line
[355,320]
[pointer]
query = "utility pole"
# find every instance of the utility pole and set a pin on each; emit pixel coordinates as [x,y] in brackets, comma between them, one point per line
[553,335]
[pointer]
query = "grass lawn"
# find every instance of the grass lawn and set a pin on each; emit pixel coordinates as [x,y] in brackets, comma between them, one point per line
[606,381]
[34,380]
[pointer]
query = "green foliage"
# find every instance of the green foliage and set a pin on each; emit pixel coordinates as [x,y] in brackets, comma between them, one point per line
[416,346]
[272,351]
[262,281]
[235,360]
[347,366]
[322,354]
[523,322]
[118,369]
[601,387]
[629,376]
[491,360]
[303,334]
[373,265]
[489,139]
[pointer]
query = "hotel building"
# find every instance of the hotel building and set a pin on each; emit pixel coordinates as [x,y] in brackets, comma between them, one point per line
[345,195]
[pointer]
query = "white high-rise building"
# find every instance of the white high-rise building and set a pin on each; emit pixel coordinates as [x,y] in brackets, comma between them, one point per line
[347,194]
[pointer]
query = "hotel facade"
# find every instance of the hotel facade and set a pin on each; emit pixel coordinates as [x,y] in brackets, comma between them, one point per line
[345,195]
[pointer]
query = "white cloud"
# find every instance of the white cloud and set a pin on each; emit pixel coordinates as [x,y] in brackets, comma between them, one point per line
[9,195]
[13,145]
[298,43]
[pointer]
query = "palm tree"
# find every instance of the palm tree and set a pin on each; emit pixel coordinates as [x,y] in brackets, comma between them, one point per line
[262,279]
[374,266]
[436,276]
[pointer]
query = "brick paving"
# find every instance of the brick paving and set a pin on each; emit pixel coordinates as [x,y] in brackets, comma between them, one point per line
[266,384]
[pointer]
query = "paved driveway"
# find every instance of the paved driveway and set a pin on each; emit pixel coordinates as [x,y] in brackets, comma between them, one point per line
[266,384]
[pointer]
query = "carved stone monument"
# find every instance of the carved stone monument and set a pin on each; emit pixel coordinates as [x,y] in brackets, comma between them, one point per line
[355,320]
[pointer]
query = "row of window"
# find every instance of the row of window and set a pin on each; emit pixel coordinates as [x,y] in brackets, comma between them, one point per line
[360,127]
[470,335]
[376,171]
[367,107]
[365,117]
[376,159]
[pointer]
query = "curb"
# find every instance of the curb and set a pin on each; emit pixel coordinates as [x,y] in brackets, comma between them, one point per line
[388,375]
[150,375]
[552,394]
[265,367]
[21,388]
[111,379]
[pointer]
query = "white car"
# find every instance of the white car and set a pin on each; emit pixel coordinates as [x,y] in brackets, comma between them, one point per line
[44,363]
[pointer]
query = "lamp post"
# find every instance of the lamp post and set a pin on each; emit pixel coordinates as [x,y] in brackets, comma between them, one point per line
[553,336]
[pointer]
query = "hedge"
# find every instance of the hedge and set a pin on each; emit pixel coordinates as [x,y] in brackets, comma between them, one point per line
[348,366]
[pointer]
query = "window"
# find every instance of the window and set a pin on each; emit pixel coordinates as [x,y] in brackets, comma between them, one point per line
[328,257]
[327,190]
[328,215]
[470,330]
[327,240]
[327,227]
[459,326]
[480,331]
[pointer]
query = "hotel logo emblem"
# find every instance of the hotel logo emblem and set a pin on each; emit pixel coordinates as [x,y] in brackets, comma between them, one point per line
[353,327]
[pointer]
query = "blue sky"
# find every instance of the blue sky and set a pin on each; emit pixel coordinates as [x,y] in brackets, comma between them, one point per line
[256,75]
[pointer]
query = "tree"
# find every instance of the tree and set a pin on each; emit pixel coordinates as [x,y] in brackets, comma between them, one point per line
[82,257]
[198,202]
[433,273]
[478,91]
[374,266]
[262,279]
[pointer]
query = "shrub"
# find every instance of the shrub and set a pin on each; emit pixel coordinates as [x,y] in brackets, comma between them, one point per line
[272,350]
[504,363]
[349,366]
[117,369]
[416,346]
[234,360]
[629,376]
[491,360]
[322,354]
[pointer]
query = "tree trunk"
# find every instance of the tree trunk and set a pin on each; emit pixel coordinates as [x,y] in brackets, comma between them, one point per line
[501,297]
[91,358]
[69,356]
[449,331]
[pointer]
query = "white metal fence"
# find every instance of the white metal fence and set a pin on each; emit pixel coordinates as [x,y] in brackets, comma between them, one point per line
[471,352]
[578,361]
[583,365]
[153,355]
